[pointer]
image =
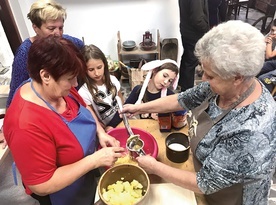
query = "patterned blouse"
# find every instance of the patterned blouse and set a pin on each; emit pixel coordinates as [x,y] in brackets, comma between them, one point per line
[238,149]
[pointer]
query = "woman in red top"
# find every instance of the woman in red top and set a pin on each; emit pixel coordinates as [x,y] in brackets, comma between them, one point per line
[51,133]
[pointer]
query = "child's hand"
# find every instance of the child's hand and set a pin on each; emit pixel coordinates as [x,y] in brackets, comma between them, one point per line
[269,39]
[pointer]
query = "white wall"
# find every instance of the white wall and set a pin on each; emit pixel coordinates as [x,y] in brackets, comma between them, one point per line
[20,14]
[6,55]
[99,20]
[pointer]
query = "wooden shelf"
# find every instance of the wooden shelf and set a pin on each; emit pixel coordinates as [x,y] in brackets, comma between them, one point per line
[137,53]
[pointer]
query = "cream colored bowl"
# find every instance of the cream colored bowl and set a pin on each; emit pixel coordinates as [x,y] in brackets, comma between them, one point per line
[124,172]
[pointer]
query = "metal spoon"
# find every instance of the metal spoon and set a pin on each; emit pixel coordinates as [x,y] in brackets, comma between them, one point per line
[125,120]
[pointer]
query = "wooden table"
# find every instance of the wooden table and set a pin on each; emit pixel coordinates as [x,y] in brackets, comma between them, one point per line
[152,127]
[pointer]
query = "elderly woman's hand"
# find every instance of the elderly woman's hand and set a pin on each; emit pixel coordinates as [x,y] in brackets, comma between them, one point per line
[130,110]
[147,163]
[106,140]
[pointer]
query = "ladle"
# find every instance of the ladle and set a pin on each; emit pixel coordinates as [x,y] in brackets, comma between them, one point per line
[134,143]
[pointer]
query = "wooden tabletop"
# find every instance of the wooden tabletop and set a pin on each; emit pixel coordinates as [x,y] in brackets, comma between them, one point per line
[152,127]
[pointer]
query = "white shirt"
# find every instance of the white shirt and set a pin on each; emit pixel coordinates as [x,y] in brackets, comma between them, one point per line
[108,107]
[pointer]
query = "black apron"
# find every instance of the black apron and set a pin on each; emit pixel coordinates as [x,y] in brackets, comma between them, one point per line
[83,126]
[199,125]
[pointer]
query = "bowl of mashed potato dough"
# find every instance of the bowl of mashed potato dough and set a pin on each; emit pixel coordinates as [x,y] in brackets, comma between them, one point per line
[124,184]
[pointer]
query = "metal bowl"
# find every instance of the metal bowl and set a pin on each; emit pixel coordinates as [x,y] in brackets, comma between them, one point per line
[124,172]
[129,45]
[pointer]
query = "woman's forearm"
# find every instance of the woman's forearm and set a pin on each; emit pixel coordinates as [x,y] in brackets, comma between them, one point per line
[268,53]
[171,174]
[162,105]
[64,176]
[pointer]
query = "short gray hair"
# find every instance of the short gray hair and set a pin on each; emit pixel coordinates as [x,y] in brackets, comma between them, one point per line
[232,48]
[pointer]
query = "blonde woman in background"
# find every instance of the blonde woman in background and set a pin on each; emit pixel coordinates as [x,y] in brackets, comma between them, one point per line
[47,17]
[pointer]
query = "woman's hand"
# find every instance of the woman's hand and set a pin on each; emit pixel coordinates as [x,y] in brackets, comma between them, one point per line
[107,156]
[107,141]
[147,163]
[107,128]
[130,110]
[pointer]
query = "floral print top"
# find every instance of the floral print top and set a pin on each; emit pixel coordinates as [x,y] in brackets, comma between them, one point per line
[238,149]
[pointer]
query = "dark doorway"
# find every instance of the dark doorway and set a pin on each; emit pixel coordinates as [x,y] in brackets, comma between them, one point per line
[9,25]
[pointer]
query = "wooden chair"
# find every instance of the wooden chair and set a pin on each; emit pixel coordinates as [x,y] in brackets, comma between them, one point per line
[245,4]
[232,8]
[269,13]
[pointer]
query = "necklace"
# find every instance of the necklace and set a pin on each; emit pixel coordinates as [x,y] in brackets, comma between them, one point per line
[242,97]
[57,104]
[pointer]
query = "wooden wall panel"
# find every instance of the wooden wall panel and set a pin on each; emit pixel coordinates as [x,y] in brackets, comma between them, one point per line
[9,25]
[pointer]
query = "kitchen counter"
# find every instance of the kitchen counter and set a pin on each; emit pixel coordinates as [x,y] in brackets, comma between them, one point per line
[152,127]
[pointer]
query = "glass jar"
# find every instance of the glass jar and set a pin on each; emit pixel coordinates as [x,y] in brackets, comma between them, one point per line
[165,122]
[179,119]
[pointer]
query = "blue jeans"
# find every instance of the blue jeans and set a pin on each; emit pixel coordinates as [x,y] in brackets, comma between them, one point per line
[267,79]
[268,67]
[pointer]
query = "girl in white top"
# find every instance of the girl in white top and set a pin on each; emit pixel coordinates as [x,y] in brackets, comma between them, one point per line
[100,88]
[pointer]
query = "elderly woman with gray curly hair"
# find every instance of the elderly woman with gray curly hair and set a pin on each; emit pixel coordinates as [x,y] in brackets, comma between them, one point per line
[231,120]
